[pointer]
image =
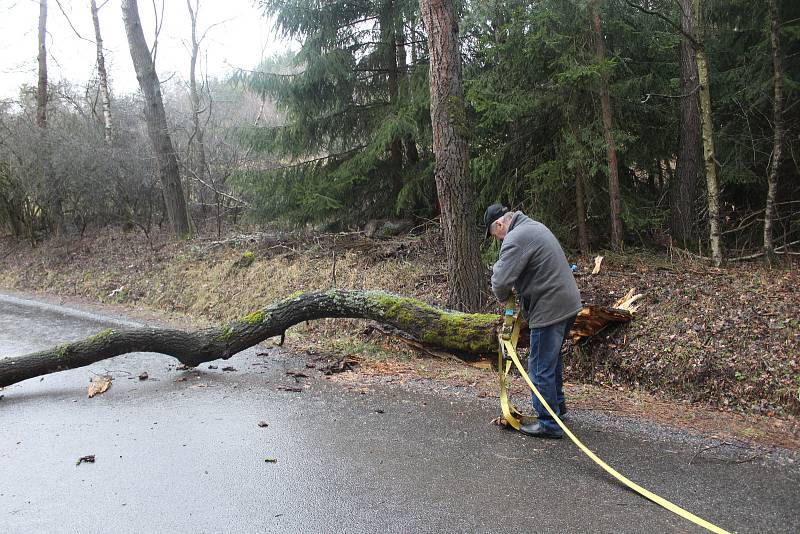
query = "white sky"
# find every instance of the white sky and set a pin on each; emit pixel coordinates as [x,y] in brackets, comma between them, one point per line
[239,42]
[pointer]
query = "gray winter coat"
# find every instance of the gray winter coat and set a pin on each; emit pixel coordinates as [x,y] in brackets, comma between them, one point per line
[532,262]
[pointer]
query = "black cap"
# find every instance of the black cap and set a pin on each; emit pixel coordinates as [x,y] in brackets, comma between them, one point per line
[493,212]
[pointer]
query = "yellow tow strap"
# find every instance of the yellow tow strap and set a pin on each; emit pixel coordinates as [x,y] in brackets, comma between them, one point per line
[512,416]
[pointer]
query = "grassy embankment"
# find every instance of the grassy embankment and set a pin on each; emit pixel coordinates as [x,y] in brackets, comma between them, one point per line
[728,337]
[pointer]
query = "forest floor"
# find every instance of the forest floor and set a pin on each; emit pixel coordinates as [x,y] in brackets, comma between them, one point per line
[715,351]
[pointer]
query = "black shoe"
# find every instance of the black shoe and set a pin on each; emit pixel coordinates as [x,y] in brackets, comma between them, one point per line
[536,430]
[562,409]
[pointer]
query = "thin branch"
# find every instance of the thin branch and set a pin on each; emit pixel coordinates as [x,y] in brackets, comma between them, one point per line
[690,93]
[70,23]
[215,190]
[787,22]
[159,21]
[778,250]
[669,21]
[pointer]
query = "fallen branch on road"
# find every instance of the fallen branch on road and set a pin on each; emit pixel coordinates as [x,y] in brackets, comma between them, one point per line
[461,333]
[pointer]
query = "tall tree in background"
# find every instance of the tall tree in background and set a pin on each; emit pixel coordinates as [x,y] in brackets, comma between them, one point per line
[777,120]
[683,188]
[449,124]
[712,182]
[41,87]
[197,147]
[52,191]
[350,103]
[167,162]
[102,76]
[387,20]
[617,235]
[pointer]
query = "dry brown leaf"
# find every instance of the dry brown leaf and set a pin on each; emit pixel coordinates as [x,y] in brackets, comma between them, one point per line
[99,384]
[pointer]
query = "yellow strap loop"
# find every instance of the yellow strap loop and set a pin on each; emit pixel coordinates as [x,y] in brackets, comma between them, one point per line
[511,415]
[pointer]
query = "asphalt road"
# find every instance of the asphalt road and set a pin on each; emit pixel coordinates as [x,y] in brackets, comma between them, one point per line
[183,452]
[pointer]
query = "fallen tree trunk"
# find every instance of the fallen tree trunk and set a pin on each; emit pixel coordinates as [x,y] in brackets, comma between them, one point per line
[465,333]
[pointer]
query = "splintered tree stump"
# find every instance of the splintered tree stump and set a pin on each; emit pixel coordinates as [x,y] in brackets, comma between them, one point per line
[462,333]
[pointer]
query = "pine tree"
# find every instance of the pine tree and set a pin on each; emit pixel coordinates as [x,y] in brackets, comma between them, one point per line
[350,107]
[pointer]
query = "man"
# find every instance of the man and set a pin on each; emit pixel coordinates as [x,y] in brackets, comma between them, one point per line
[533,263]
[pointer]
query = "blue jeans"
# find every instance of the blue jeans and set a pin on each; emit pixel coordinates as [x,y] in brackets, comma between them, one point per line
[545,367]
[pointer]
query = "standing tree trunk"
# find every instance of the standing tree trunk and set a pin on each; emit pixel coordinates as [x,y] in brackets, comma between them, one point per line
[617,235]
[156,118]
[412,155]
[464,333]
[777,114]
[52,191]
[41,88]
[196,141]
[448,120]
[102,77]
[709,156]
[684,187]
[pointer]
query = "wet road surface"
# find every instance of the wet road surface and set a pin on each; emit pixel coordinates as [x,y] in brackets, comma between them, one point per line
[188,455]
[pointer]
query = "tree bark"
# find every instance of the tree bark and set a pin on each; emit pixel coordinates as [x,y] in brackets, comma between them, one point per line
[683,188]
[709,155]
[156,118]
[449,127]
[617,235]
[102,76]
[777,119]
[466,334]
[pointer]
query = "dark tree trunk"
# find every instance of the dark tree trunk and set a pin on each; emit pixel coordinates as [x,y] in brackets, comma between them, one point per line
[683,188]
[580,209]
[412,155]
[467,334]
[777,120]
[449,125]
[102,76]
[166,161]
[615,201]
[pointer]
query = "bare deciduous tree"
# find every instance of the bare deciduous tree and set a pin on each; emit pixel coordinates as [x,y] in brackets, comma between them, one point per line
[102,76]
[155,116]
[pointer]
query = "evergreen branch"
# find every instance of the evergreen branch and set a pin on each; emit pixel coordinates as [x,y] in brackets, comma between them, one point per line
[319,159]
